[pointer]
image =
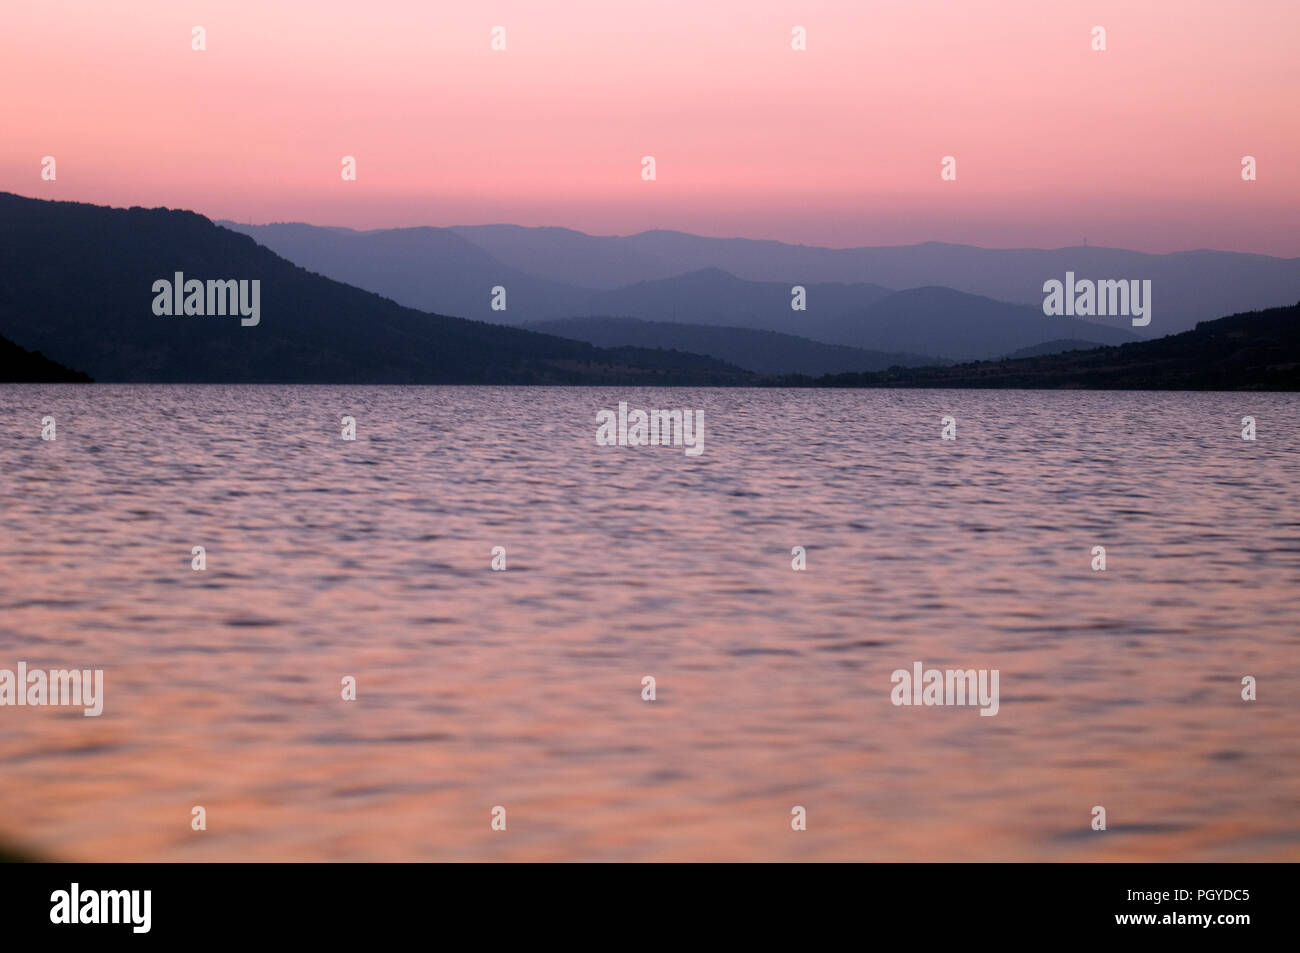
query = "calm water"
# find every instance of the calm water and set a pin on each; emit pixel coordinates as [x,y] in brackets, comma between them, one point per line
[522,688]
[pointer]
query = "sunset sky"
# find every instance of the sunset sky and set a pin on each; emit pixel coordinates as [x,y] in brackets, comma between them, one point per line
[1139,146]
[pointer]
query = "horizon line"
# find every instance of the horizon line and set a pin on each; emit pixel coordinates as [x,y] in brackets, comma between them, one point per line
[666,231]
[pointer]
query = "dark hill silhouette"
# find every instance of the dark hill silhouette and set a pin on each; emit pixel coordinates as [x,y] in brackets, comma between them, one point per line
[21,366]
[1255,350]
[1053,347]
[76,280]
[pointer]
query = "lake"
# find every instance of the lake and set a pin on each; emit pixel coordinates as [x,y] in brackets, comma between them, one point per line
[477,688]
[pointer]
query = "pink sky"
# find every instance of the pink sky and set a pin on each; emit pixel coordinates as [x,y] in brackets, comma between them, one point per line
[1139,146]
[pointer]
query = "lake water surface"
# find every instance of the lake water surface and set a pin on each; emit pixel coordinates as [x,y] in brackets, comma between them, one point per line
[477,688]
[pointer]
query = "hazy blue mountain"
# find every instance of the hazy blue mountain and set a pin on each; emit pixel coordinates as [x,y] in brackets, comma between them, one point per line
[956,326]
[435,269]
[438,269]
[431,269]
[576,258]
[76,282]
[711,296]
[932,321]
[764,352]
[1187,287]
[1257,350]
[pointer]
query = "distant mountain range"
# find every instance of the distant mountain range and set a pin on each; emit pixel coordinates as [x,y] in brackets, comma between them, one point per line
[76,282]
[440,270]
[712,296]
[1257,350]
[1187,286]
[79,289]
[938,322]
[959,326]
